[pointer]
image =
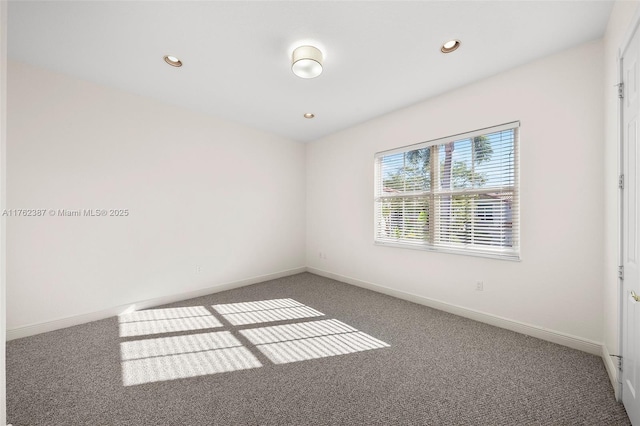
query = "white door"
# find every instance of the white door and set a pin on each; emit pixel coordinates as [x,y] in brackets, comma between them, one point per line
[631,226]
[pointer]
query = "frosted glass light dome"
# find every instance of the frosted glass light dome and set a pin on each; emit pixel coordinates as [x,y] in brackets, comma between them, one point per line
[306,62]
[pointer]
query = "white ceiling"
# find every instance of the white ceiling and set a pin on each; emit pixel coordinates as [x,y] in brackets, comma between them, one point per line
[379,55]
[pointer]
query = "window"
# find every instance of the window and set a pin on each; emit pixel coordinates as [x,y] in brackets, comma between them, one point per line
[456,194]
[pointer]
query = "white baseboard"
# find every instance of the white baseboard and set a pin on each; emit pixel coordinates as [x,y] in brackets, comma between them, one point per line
[560,338]
[610,363]
[32,329]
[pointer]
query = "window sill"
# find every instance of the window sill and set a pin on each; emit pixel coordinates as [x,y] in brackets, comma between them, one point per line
[513,257]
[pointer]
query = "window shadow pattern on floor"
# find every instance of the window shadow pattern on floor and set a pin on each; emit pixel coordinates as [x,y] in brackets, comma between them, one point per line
[154,359]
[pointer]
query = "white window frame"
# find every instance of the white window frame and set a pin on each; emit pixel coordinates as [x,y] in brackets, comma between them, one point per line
[504,253]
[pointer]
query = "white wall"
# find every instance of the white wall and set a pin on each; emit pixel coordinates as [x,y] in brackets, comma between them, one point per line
[3,166]
[558,283]
[617,29]
[199,191]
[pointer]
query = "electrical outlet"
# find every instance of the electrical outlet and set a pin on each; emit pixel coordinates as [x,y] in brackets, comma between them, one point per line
[480,286]
[198,269]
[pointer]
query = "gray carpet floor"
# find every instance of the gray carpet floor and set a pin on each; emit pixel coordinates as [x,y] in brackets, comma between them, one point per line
[438,369]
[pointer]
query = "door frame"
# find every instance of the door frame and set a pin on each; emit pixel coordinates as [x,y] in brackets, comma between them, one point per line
[630,33]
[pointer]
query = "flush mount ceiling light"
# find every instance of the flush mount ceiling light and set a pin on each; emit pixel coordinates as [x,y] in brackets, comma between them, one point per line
[309,115]
[306,62]
[450,46]
[173,61]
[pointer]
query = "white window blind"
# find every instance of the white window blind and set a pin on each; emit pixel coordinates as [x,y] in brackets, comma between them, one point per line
[455,194]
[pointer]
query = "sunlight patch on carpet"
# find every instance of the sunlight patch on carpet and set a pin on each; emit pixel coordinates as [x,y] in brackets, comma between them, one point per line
[265,311]
[168,320]
[310,340]
[164,314]
[142,328]
[178,357]
[301,330]
[165,346]
[261,305]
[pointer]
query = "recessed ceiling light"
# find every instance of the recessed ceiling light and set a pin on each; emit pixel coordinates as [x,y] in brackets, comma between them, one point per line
[306,62]
[309,115]
[173,61]
[450,46]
